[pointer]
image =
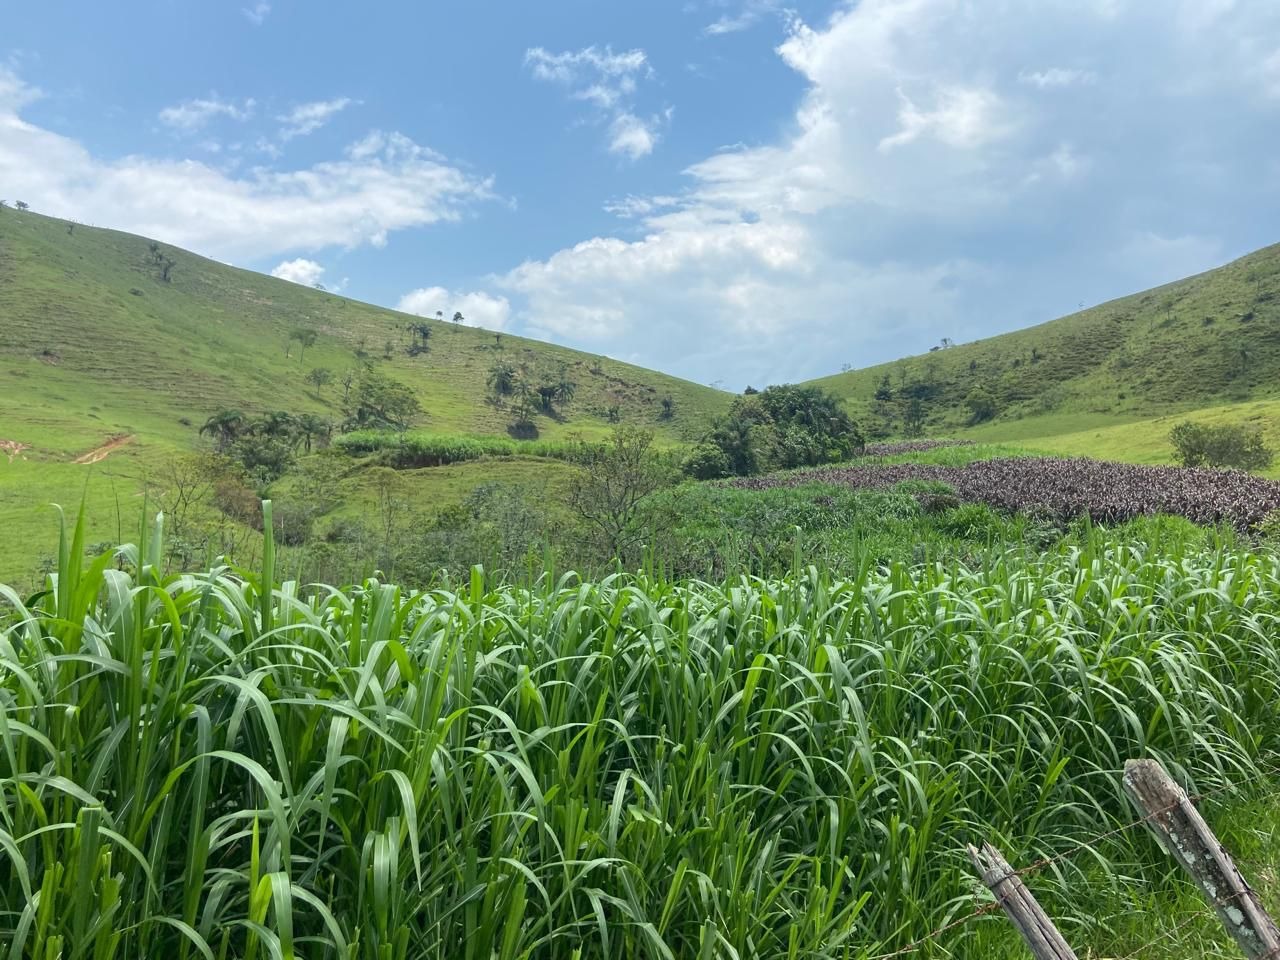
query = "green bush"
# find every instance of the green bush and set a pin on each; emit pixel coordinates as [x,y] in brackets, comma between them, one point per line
[706,462]
[1220,445]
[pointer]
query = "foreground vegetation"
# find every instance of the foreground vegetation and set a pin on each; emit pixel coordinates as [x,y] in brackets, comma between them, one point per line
[218,764]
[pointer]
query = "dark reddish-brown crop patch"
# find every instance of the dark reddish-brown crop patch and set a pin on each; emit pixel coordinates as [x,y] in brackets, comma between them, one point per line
[1106,491]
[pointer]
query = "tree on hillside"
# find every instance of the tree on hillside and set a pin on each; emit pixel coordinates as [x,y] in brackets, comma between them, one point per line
[884,392]
[311,428]
[913,416]
[419,334]
[379,402]
[502,379]
[224,426]
[305,337]
[783,427]
[458,317]
[279,423]
[981,404]
[320,377]
[613,482]
[1222,445]
[348,378]
[546,397]
[526,403]
[22,205]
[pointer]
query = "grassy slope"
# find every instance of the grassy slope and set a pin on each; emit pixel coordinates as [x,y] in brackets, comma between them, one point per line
[1207,341]
[94,344]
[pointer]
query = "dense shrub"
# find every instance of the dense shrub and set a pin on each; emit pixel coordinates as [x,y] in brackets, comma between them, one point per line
[706,462]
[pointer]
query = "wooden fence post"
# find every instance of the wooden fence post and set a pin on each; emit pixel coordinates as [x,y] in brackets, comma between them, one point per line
[1041,936]
[1187,838]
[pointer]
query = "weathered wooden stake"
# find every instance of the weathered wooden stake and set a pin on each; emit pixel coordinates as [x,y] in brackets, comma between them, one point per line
[1041,936]
[1184,834]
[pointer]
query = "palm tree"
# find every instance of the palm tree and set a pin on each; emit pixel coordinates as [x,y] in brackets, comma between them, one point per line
[225,426]
[502,379]
[566,389]
[310,426]
[277,424]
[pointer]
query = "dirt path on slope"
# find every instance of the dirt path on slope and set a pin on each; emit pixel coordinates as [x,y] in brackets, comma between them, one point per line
[102,452]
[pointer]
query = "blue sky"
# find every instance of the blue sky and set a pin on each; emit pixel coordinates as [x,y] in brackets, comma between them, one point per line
[734,191]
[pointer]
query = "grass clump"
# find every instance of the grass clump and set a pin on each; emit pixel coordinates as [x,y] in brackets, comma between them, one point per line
[220,764]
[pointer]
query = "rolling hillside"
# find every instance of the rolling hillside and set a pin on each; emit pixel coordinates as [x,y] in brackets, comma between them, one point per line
[1206,341]
[103,360]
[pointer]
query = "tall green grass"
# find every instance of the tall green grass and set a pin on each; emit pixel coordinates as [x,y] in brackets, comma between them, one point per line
[218,765]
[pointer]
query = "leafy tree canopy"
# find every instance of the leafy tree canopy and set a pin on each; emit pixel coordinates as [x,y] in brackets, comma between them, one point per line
[778,428]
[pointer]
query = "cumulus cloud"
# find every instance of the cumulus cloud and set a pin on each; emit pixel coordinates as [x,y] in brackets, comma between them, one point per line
[304,271]
[257,13]
[307,118]
[959,116]
[192,115]
[928,186]
[380,184]
[609,82]
[479,309]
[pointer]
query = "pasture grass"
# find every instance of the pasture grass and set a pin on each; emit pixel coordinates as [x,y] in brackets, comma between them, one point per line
[222,764]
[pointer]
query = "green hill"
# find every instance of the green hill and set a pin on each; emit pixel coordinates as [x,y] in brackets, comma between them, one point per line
[100,354]
[1206,341]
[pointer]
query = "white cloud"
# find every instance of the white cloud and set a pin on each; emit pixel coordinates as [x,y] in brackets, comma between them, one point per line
[631,207]
[927,187]
[303,271]
[608,81]
[571,67]
[257,14]
[960,117]
[307,118]
[383,183]
[478,309]
[192,115]
[631,136]
[1058,77]
[748,15]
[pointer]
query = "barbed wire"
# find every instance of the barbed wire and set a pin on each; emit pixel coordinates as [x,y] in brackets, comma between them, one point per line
[1038,865]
